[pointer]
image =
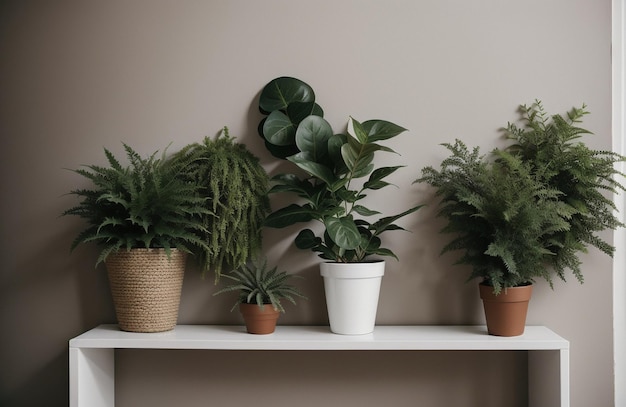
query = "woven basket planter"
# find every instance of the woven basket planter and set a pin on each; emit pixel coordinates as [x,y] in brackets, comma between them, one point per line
[146,288]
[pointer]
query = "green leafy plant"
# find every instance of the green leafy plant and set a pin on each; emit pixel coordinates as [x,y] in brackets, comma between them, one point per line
[551,145]
[500,213]
[258,284]
[529,210]
[339,172]
[235,186]
[145,204]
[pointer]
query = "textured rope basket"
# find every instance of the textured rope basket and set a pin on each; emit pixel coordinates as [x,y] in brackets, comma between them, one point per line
[146,288]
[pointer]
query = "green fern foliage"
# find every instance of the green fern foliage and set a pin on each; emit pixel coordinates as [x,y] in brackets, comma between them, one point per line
[528,211]
[498,213]
[586,178]
[258,284]
[145,204]
[234,183]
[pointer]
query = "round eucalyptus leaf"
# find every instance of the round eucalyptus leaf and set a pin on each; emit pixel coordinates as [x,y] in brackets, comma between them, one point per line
[278,129]
[298,111]
[281,92]
[312,137]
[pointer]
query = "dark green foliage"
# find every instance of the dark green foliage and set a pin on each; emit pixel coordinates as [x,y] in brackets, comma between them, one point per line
[339,168]
[501,216]
[146,204]
[259,285]
[235,185]
[584,176]
[535,207]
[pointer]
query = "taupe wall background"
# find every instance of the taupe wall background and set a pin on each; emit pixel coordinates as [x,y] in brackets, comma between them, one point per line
[77,76]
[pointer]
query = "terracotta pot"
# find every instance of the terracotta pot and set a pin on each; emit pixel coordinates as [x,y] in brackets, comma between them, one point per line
[259,321]
[506,313]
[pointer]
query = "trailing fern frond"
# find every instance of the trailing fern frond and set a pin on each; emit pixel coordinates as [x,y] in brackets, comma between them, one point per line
[234,183]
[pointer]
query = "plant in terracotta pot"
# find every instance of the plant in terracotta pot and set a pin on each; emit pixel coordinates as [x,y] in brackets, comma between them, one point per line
[235,187]
[501,216]
[516,217]
[338,172]
[146,219]
[261,290]
[551,145]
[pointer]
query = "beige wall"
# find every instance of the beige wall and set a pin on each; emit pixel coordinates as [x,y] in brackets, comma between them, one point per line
[79,76]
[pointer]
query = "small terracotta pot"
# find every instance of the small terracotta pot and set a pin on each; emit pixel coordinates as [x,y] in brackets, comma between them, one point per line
[506,313]
[259,321]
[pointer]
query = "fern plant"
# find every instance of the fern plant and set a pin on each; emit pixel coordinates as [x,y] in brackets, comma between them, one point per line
[235,186]
[535,206]
[258,284]
[145,204]
[500,213]
[551,145]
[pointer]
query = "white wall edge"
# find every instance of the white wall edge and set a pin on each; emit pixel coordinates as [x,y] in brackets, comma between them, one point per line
[619,145]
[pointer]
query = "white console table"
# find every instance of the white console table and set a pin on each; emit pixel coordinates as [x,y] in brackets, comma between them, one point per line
[92,373]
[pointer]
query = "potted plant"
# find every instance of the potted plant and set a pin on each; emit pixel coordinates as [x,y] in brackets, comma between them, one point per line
[338,172]
[146,218]
[235,187]
[551,145]
[515,217]
[261,290]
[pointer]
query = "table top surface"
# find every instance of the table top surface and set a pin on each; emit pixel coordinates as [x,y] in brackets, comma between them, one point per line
[384,337]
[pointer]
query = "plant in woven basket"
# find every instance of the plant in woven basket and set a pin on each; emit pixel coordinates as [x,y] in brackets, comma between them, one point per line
[551,145]
[146,204]
[235,186]
[258,284]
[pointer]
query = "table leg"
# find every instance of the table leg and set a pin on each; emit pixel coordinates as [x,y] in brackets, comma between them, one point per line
[92,377]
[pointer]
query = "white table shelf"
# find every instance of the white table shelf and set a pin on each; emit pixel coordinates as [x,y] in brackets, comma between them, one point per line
[92,381]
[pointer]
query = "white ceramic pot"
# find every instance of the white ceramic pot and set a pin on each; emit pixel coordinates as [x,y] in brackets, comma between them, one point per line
[352,291]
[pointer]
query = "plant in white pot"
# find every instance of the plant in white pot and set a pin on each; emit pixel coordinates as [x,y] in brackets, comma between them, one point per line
[525,213]
[339,171]
[146,218]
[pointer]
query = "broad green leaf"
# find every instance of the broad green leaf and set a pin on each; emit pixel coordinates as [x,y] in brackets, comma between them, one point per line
[376,179]
[298,111]
[338,184]
[358,158]
[356,130]
[291,183]
[334,150]
[387,222]
[289,215]
[381,130]
[384,252]
[383,172]
[306,240]
[312,137]
[343,232]
[281,152]
[278,129]
[281,92]
[317,170]
[361,210]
